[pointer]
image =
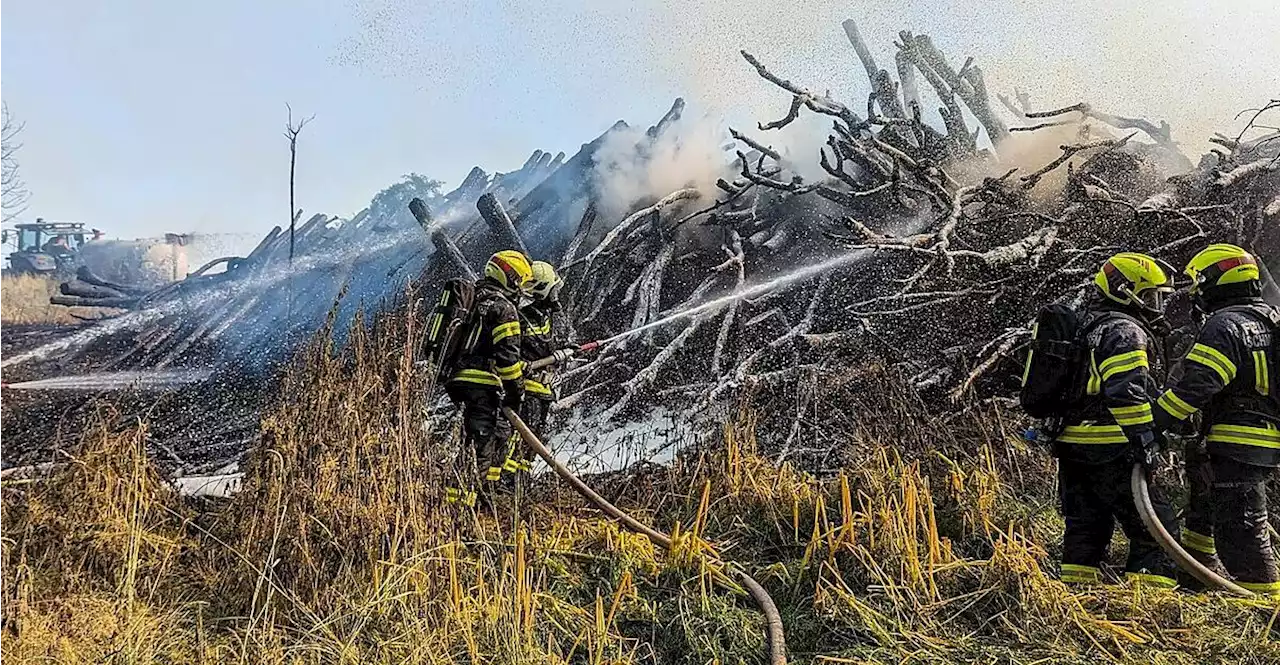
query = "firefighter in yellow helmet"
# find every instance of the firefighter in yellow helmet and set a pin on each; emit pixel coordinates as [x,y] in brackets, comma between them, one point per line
[1230,374]
[1111,425]
[538,341]
[488,375]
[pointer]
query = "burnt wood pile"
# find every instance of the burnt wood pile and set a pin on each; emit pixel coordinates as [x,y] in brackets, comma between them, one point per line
[946,216]
[943,239]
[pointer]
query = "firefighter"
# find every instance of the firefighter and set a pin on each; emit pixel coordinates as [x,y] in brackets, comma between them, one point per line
[1112,426]
[489,375]
[537,342]
[1227,374]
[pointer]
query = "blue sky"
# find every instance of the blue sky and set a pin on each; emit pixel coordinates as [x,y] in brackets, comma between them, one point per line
[152,116]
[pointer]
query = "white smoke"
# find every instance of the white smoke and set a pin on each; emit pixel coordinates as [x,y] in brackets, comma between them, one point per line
[696,152]
[1195,63]
[630,166]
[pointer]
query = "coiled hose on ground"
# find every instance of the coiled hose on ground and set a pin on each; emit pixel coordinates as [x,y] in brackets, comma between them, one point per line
[1142,499]
[777,641]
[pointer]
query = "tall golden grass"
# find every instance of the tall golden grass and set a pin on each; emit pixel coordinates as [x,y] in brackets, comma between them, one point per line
[24,299]
[933,543]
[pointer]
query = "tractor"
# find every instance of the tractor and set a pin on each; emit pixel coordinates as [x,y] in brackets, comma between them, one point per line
[46,248]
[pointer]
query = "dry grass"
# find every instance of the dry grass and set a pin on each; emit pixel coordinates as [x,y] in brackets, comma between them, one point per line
[24,299]
[932,545]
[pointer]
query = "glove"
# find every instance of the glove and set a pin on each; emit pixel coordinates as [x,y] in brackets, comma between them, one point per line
[1144,449]
[562,355]
[513,396]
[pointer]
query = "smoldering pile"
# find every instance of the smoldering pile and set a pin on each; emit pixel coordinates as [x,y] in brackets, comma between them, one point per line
[943,219]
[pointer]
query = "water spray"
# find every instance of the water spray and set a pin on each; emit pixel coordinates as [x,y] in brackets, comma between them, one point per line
[797,275]
[138,381]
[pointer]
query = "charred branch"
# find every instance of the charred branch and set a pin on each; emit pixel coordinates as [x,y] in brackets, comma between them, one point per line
[78,301]
[1161,133]
[671,117]
[503,228]
[422,214]
[802,97]
[452,254]
[883,88]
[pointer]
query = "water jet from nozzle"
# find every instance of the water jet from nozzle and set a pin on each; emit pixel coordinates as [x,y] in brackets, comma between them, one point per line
[142,381]
[757,290]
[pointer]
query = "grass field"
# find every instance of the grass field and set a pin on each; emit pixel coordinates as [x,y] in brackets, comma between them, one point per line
[933,543]
[24,299]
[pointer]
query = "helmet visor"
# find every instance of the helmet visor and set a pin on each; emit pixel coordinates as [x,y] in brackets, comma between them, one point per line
[1153,298]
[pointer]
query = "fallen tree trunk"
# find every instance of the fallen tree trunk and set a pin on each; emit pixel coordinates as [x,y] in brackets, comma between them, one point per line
[86,290]
[84,274]
[444,246]
[77,301]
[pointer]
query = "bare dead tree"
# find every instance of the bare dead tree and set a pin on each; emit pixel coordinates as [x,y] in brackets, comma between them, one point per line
[291,132]
[13,189]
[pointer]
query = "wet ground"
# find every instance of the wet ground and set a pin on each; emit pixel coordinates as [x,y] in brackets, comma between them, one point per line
[193,426]
[16,338]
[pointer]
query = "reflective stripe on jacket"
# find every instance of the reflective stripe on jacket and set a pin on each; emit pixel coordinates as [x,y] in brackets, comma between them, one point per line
[495,342]
[1227,374]
[1119,389]
[537,343]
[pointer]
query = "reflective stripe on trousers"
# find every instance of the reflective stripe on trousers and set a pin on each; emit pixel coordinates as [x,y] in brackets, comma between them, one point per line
[455,495]
[1198,542]
[1158,581]
[1088,433]
[1076,573]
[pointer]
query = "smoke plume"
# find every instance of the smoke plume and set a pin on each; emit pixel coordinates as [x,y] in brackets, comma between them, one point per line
[631,166]
[1192,62]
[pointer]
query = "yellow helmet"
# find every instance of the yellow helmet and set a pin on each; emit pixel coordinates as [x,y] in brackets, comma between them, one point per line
[545,283]
[510,269]
[1220,265]
[1130,278]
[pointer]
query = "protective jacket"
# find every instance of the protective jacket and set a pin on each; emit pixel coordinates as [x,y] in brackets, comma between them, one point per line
[1118,392]
[494,343]
[1093,472]
[537,343]
[1227,375]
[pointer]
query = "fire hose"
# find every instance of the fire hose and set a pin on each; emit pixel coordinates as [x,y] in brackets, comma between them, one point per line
[561,356]
[1142,499]
[774,632]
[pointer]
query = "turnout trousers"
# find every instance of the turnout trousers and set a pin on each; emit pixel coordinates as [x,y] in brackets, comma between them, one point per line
[1197,523]
[1240,523]
[1094,497]
[1228,517]
[534,412]
[481,454]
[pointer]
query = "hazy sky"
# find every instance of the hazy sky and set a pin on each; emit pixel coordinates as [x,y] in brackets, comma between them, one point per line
[162,115]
